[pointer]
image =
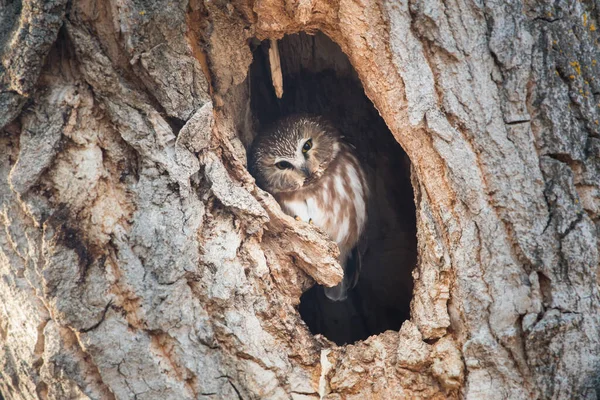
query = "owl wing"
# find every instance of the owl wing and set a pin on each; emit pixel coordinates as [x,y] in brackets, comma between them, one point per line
[355,259]
[353,267]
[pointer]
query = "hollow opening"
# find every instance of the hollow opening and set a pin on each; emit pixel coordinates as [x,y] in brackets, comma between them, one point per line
[319,79]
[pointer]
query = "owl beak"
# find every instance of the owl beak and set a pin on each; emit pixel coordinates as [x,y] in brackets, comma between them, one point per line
[305,171]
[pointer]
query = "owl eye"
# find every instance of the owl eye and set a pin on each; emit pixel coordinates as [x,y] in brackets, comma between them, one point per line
[284,165]
[307,146]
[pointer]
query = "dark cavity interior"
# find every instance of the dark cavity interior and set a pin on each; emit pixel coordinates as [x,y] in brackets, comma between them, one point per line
[319,79]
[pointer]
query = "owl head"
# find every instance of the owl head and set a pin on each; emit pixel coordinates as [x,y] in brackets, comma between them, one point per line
[293,153]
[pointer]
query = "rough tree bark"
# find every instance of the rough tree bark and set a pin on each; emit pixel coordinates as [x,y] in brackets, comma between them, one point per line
[139,260]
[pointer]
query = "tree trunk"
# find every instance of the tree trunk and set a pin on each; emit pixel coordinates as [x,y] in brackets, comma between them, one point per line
[139,260]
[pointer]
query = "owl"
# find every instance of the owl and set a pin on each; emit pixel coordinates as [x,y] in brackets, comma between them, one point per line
[316,177]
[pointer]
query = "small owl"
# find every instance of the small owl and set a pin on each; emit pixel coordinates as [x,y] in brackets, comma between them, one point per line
[315,176]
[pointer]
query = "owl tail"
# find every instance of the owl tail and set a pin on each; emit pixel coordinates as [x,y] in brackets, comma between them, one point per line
[352,268]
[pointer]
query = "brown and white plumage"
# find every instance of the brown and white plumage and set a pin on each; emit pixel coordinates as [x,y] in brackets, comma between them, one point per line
[315,176]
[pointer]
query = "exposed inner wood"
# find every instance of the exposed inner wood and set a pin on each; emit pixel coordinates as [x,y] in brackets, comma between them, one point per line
[275,64]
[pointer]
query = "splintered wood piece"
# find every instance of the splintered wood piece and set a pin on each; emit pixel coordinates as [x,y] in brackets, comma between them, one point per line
[275,63]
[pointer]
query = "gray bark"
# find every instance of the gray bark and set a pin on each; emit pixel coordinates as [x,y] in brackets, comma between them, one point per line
[139,260]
